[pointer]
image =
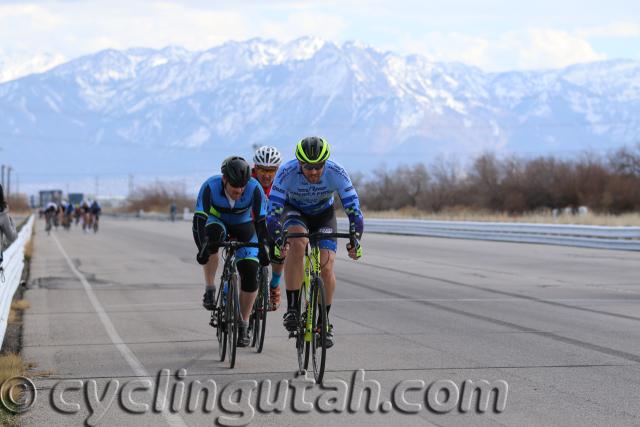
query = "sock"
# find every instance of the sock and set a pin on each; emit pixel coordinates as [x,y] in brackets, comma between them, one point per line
[275,280]
[328,308]
[292,299]
[244,323]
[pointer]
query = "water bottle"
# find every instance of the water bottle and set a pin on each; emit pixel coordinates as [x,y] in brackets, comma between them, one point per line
[225,289]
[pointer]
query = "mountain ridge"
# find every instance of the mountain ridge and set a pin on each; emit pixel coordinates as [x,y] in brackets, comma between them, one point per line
[373,105]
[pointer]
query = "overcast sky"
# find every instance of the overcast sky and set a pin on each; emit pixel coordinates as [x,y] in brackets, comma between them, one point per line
[491,34]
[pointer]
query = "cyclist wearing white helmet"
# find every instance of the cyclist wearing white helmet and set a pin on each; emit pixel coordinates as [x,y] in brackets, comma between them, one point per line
[266,162]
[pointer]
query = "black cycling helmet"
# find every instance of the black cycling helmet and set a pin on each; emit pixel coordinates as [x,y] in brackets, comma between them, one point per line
[236,170]
[312,150]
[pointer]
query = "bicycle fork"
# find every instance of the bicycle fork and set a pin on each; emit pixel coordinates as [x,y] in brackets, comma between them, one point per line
[312,264]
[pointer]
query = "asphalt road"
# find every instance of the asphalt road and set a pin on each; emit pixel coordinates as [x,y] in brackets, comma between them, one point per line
[557,325]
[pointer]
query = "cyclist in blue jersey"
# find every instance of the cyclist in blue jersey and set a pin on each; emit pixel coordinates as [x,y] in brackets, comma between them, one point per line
[232,205]
[302,201]
[94,215]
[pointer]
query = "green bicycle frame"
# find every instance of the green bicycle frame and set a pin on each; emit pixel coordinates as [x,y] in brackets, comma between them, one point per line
[311,265]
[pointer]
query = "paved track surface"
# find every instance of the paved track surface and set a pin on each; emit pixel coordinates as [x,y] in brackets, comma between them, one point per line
[559,325]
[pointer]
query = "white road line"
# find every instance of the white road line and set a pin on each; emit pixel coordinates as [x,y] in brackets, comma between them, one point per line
[389,299]
[149,304]
[132,360]
[566,300]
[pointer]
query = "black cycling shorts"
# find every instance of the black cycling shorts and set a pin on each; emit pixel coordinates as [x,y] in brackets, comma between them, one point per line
[324,221]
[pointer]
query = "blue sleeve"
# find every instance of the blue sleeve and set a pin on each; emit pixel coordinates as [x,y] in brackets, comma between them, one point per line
[278,194]
[346,192]
[349,199]
[259,202]
[200,203]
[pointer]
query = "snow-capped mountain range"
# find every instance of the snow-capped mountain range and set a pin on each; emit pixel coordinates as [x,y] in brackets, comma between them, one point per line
[22,64]
[146,110]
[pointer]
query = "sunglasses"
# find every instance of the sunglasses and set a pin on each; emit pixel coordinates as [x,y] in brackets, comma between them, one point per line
[266,170]
[312,167]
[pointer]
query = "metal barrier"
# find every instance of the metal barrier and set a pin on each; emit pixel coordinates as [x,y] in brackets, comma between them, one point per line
[589,236]
[13,265]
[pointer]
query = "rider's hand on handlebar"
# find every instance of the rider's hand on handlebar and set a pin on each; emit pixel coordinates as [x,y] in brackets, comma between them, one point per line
[355,252]
[281,251]
[263,254]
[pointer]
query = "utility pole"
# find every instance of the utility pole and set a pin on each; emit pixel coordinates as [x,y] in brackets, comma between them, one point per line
[9,169]
[130,184]
[97,186]
[2,176]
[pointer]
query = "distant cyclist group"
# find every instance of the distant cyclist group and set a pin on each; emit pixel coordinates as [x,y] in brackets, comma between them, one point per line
[285,213]
[86,213]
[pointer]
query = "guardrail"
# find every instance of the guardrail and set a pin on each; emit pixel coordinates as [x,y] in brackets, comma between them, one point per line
[155,216]
[13,265]
[589,236]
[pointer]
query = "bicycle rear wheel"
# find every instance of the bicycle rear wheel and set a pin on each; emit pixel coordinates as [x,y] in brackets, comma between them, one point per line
[233,308]
[254,318]
[319,328]
[263,308]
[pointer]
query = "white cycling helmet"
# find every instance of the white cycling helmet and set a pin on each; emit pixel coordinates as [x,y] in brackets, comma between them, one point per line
[267,157]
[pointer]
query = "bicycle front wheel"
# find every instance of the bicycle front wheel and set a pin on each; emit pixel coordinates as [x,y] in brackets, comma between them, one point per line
[302,346]
[221,323]
[233,308]
[319,329]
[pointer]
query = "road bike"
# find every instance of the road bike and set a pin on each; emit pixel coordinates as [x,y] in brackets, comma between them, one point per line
[226,313]
[312,306]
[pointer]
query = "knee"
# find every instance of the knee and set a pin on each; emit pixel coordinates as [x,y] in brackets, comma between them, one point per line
[248,270]
[297,246]
[215,232]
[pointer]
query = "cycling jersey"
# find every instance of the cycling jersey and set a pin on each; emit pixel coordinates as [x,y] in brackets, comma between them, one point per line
[95,208]
[213,202]
[291,187]
[236,217]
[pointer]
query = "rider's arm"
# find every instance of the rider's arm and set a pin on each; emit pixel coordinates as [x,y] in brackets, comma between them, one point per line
[349,199]
[259,208]
[277,199]
[201,213]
